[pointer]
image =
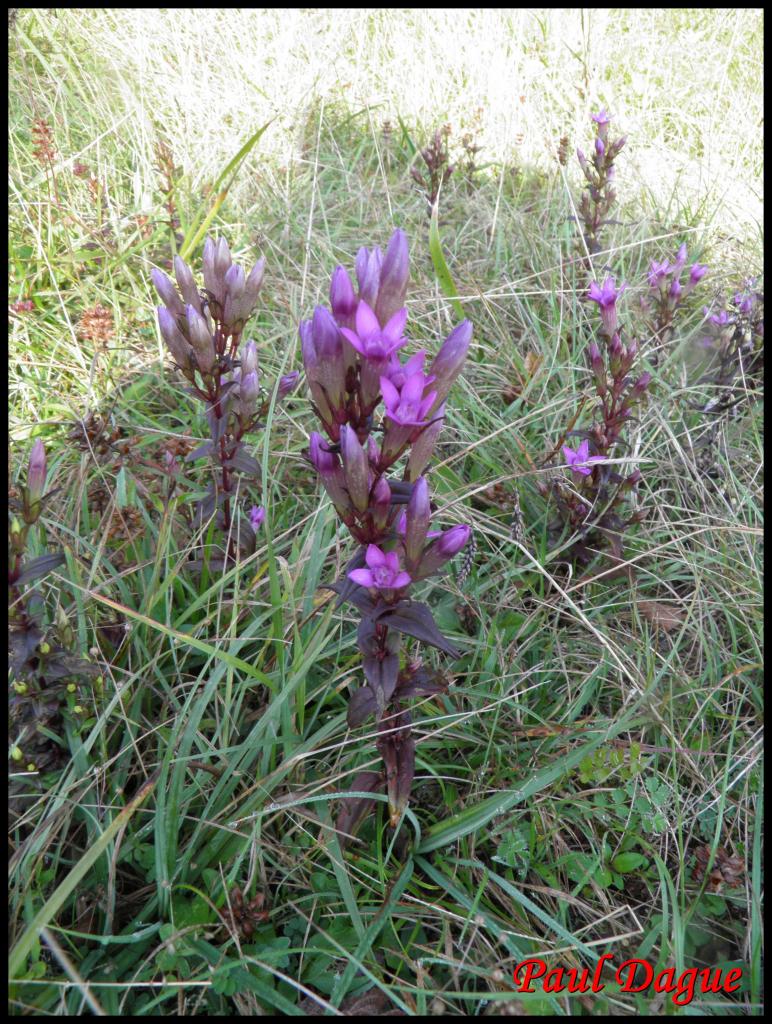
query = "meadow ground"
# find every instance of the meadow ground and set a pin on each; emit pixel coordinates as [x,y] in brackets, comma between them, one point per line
[601,740]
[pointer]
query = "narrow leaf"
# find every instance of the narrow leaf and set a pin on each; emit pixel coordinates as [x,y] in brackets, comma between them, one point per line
[440,266]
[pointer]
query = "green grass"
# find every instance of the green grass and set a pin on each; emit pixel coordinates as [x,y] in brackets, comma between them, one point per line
[584,751]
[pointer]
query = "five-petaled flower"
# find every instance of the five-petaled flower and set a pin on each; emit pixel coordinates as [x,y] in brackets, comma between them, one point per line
[407,406]
[257,516]
[370,339]
[602,117]
[606,296]
[578,461]
[658,271]
[382,572]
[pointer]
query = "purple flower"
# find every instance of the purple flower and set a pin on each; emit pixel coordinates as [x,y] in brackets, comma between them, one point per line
[658,271]
[449,361]
[698,271]
[720,319]
[606,296]
[256,517]
[601,117]
[398,372]
[578,460]
[675,289]
[36,471]
[382,572]
[288,383]
[407,406]
[744,303]
[600,149]
[342,297]
[370,339]
[394,276]
[680,260]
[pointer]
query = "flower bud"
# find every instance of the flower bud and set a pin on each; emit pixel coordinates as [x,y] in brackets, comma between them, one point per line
[600,149]
[394,276]
[201,340]
[368,271]
[36,471]
[449,361]
[328,345]
[252,288]
[249,389]
[288,383]
[343,299]
[322,460]
[417,523]
[448,544]
[697,271]
[233,309]
[187,287]
[380,503]
[168,292]
[328,467]
[355,468]
[176,342]
[422,448]
[642,383]
[249,358]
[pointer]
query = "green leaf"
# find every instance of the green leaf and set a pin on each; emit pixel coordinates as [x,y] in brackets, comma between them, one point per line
[196,232]
[441,267]
[624,863]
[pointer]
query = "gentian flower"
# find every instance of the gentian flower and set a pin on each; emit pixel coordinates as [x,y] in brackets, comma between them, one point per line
[601,117]
[698,271]
[370,339]
[256,517]
[407,406]
[657,271]
[578,460]
[399,372]
[606,296]
[382,572]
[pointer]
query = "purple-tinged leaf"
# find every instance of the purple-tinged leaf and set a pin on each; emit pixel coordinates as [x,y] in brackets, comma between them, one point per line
[201,452]
[358,596]
[361,704]
[381,674]
[244,463]
[416,620]
[38,567]
[345,588]
[422,683]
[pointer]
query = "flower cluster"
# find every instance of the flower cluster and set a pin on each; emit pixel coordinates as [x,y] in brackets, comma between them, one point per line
[667,291]
[599,195]
[203,331]
[590,500]
[362,390]
[42,665]
[734,342]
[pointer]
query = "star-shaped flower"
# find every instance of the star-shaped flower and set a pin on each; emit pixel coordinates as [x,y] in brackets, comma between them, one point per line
[370,339]
[257,516]
[382,572]
[407,406]
[578,461]
[606,294]
[602,117]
